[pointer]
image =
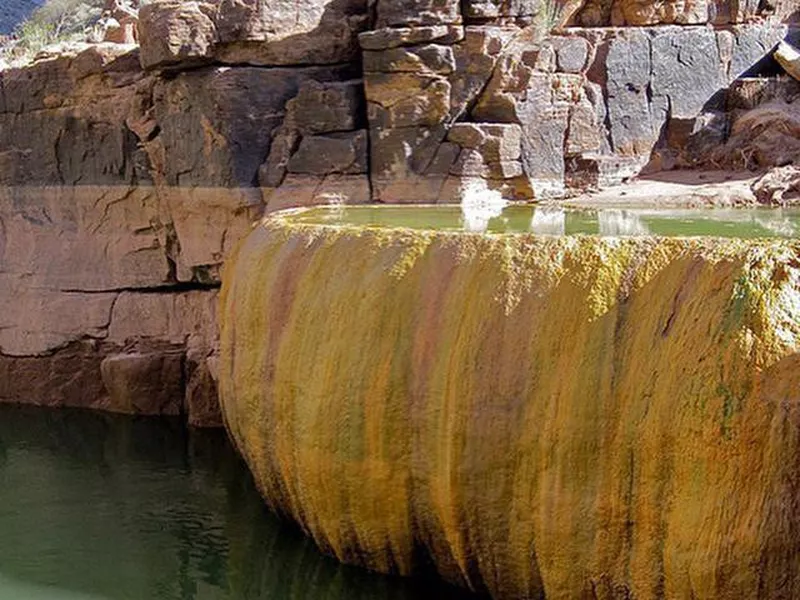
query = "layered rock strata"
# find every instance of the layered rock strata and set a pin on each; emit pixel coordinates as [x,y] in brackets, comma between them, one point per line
[536,417]
[128,174]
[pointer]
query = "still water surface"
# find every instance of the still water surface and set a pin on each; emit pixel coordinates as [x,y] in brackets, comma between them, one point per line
[733,223]
[105,507]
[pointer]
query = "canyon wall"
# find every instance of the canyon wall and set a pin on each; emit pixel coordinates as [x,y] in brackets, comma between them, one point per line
[536,417]
[128,173]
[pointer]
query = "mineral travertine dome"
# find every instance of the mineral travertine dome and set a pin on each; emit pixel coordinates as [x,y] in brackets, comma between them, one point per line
[571,417]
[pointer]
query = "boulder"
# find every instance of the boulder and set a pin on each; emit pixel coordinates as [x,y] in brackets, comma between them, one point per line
[289,32]
[789,58]
[687,71]
[495,142]
[521,11]
[174,32]
[767,136]
[780,186]
[572,53]
[628,67]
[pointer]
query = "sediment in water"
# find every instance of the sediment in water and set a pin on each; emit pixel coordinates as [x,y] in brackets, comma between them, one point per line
[560,417]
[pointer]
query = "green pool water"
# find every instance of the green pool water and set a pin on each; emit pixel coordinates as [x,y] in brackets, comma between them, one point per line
[734,223]
[96,507]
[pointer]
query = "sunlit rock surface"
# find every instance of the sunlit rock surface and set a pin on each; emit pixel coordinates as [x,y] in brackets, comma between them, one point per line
[560,417]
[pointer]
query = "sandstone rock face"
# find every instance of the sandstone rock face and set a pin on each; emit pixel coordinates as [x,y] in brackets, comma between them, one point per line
[290,32]
[127,176]
[559,418]
[256,32]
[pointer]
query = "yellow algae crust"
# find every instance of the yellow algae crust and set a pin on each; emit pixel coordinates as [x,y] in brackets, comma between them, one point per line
[571,417]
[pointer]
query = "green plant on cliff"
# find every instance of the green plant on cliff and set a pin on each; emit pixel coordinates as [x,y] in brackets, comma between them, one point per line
[552,13]
[32,36]
[55,21]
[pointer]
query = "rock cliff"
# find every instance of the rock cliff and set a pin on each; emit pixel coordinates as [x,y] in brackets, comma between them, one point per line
[129,172]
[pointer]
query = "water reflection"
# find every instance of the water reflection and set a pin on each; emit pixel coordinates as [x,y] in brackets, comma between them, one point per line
[491,217]
[620,222]
[549,221]
[101,507]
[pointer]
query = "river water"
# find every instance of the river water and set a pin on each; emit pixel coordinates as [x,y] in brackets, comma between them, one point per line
[106,507]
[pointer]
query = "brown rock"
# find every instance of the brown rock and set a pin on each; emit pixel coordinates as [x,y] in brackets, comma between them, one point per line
[397,13]
[289,32]
[69,376]
[520,10]
[748,93]
[392,37]
[780,186]
[310,190]
[327,107]
[341,153]
[496,142]
[406,99]
[471,163]
[144,383]
[37,321]
[207,222]
[202,399]
[510,80]
[85,238]
[175,32]
[284,144]
[430,58]
[583,129]
[175,318]
[767,136]
[475,58]
[210,141]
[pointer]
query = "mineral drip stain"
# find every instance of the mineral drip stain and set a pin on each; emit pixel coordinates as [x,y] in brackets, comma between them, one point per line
[533,414]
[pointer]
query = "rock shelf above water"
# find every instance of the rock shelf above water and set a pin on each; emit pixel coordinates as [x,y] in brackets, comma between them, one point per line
[536,416]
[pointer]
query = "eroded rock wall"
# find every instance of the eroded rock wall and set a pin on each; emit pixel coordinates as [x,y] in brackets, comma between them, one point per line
[538,417]
[128,173]
[122,191]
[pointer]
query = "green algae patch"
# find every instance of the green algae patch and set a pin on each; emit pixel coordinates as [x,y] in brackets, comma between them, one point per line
[573,416]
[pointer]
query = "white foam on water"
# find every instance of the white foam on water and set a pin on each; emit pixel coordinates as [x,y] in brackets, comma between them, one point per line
[479,205]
